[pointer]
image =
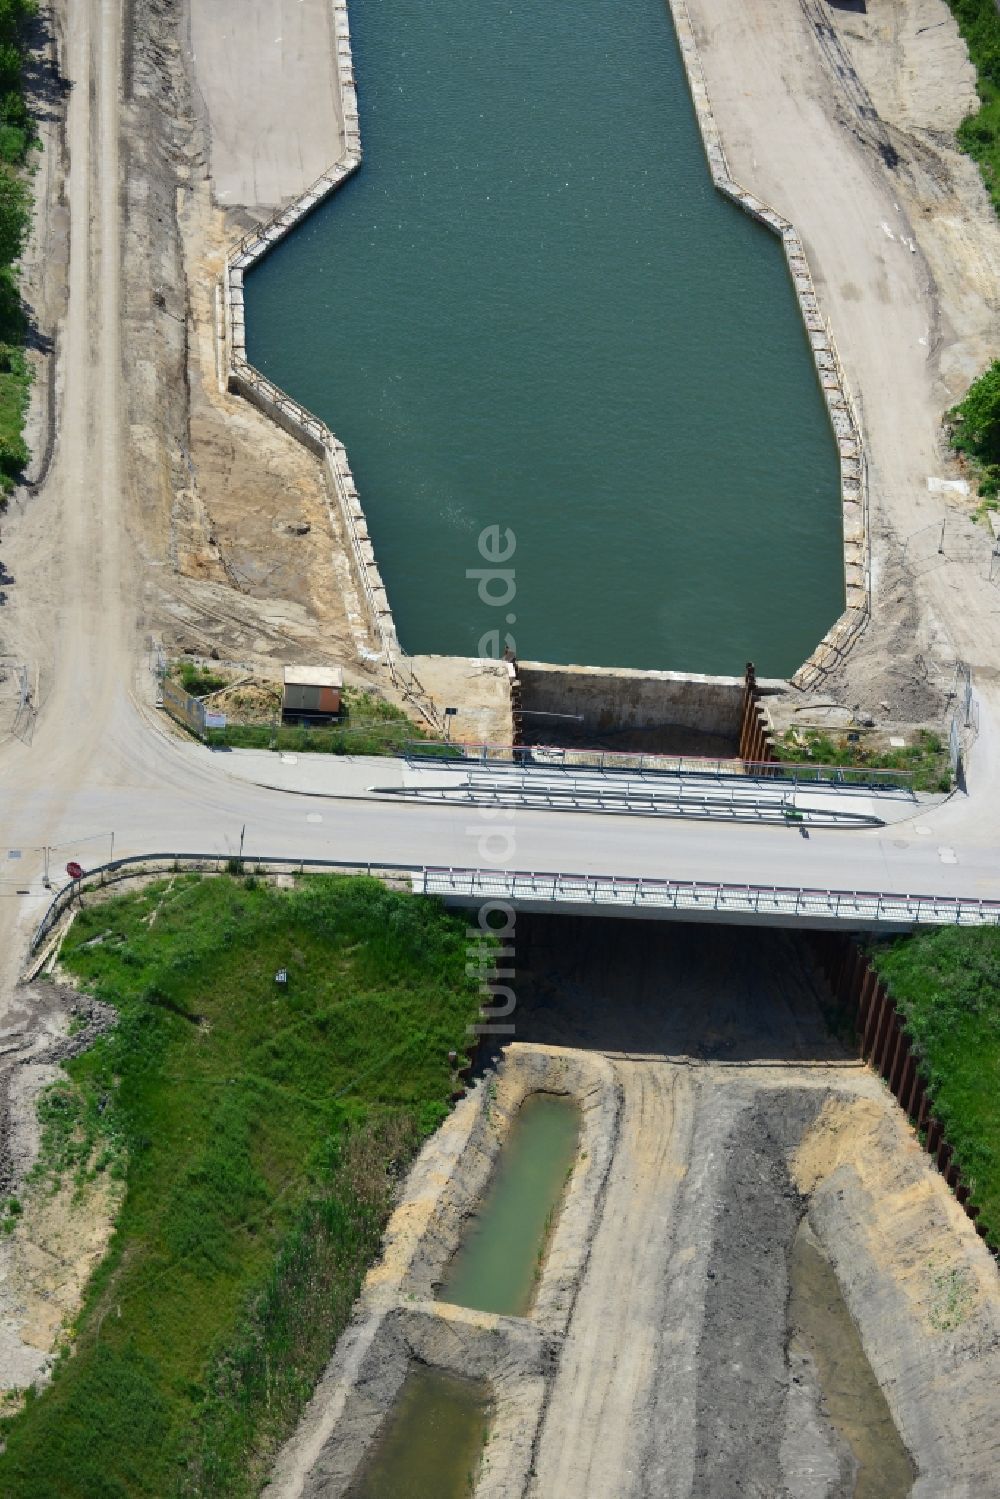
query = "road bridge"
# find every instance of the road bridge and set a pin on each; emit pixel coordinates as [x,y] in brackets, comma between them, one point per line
[573,894]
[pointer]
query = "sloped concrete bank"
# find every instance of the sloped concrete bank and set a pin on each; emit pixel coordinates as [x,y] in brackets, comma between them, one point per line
[397,1323]
[240,376]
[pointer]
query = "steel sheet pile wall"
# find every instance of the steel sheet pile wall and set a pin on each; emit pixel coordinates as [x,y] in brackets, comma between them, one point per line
[886,1046]
[756,738]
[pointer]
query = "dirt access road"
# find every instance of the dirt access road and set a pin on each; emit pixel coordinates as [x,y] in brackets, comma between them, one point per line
[71,548]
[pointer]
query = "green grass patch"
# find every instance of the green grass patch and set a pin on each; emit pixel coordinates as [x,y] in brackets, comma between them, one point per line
[354,737]
[369,726]
[979,134]
[947,983]
[199,681]
[924,763]
[974,429]
[17,137]
[259,1130]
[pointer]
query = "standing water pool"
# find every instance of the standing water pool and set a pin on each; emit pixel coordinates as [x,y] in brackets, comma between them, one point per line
[432,1441]
[496,1269]
[531,309]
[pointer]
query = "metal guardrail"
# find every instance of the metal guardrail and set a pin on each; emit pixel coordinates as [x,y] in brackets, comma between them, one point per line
[729,800]
[699,898]
[788,772]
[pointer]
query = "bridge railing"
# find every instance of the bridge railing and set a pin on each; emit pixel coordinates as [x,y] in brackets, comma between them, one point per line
[697,898]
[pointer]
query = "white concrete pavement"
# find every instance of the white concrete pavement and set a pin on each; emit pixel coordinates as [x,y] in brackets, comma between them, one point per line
[265,68]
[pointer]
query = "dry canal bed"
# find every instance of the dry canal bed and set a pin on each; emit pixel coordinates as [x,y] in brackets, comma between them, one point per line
[755,1283]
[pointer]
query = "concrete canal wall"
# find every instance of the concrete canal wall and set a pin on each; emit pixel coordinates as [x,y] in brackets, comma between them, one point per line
[606,699]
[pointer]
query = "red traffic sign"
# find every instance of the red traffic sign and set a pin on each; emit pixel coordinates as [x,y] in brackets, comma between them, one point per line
[74,870]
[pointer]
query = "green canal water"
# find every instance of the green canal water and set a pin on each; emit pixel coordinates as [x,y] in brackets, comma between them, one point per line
[496,1268]
[432,1442]
[531,309]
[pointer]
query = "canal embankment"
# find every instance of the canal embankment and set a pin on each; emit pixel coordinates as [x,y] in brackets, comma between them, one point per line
[845,117]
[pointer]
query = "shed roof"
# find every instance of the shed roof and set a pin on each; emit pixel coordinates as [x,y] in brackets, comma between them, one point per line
[314,676]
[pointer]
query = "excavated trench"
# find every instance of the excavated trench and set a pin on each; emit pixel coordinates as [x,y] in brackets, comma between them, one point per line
[712,1271]
[500,1261]
[433,1441]
[822,1330]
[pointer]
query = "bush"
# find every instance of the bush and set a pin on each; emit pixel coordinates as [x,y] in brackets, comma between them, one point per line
[975,428]
[199,681]
[979,135]
[17,135]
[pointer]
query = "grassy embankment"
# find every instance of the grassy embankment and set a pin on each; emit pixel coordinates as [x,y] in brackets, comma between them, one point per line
[925,761]
[259,1132]
[17,136]
[370,725]
[947,983]
[975,423]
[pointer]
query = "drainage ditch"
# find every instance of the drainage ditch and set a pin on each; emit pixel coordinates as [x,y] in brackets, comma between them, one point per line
[498,1266]
[821,1326]
[432,1442]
